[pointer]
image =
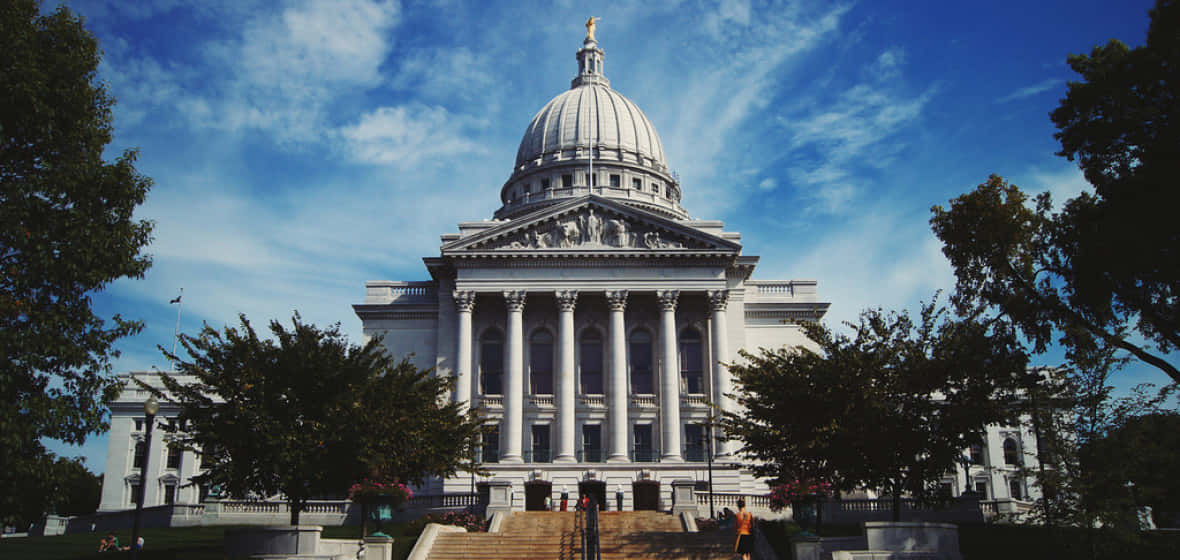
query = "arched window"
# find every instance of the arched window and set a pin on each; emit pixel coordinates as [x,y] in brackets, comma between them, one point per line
[140,459]
[1011,452]
[642,382]
[976,454]
[692,360]
[491,363]
[590,351]
[541,363]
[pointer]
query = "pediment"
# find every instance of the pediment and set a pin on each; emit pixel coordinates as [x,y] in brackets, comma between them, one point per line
[591,225]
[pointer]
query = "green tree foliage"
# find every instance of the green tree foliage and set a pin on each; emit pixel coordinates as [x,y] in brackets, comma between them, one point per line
[1107,266]
[1140,450]
[59,485]
[890,406]
[307,414]
[66,231]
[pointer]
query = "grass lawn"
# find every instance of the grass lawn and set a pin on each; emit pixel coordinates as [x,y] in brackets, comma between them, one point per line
[181,543]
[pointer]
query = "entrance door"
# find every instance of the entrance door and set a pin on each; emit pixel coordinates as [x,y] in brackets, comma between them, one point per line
[535,492]
[647,494]
[596,489]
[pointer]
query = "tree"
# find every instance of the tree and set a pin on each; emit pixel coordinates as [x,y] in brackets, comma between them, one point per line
[891,406]
[66,231]
[1107,266]
[307,414]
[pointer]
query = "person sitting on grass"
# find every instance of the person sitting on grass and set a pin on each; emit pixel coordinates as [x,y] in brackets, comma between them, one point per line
[109,544]
[138,544]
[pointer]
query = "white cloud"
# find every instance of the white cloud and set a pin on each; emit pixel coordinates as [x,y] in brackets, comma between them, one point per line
[1030,91]
[287,69]
[768,184]
[406,135]
[859,128]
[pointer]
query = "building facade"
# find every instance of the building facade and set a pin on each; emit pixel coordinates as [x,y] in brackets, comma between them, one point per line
[588,321]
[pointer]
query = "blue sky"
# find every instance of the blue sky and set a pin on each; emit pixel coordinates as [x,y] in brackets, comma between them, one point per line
[302,148]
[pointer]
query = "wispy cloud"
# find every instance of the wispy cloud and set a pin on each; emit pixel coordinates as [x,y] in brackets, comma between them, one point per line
[832,141]
[405,135]
[1030,91]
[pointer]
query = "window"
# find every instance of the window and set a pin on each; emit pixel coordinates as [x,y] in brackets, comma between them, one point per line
[174,454]
[615,180]
[642,375]
[592,180]
[644,451]
[691,359]
[136,491]
[169,494]
[139,424]
[655,187]
[140,460]
[541,443]
[544,184]
[981,489]
[490,450]
[637,183]
[528,188]
[1011,452]
[591,443]
[541,363]
[694,442]
[1014,489]
[976,454]
[491,363]
[591,358]
[567,181]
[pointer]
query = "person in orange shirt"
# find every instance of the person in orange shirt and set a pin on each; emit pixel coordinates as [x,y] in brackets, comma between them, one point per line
[744,523]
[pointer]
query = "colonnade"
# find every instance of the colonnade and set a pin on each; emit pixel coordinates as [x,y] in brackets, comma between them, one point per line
[617,393]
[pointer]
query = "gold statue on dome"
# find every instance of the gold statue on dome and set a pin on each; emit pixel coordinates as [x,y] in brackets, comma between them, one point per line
[590,25]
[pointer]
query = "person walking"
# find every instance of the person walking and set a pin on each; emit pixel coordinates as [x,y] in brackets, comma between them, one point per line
[744,525]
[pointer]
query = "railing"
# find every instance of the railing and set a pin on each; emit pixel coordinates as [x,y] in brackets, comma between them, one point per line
[444,500]
[399,290]
[543,401]
[772,288]
[645,455]
[590,542]
[730,500]
[596,401]
[868,505]
[591,455]
[538,455]
[693,400]
[492,401]
[644,401]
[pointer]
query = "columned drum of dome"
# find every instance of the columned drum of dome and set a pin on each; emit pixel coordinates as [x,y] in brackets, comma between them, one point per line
[591,126]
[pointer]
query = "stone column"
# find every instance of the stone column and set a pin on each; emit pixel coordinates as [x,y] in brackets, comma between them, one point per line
[566,385]
[514,369]
[669,378]
[154,467]
[617,403]
[720,350]
[464,305]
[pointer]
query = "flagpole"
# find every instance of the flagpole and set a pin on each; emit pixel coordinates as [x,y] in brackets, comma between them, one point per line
[176,332]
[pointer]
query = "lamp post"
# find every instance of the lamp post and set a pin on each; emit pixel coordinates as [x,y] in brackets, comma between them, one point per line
[150,408]
[708,424]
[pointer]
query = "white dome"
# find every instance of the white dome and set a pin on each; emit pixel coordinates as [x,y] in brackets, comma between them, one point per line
[591,114]
[590,127]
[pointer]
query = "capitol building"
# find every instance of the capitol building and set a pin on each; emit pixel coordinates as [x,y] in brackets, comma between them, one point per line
[588,321]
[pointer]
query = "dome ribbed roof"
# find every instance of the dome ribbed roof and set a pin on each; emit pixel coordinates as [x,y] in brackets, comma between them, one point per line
[591,113]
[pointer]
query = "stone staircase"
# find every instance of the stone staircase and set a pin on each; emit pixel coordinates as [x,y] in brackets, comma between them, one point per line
[557,536]
[656,535]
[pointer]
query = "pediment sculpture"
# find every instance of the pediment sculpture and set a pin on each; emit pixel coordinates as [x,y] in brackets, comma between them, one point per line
[591,229]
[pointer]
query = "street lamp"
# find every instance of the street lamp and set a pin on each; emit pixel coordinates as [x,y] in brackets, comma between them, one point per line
[708,424]
[150,408]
